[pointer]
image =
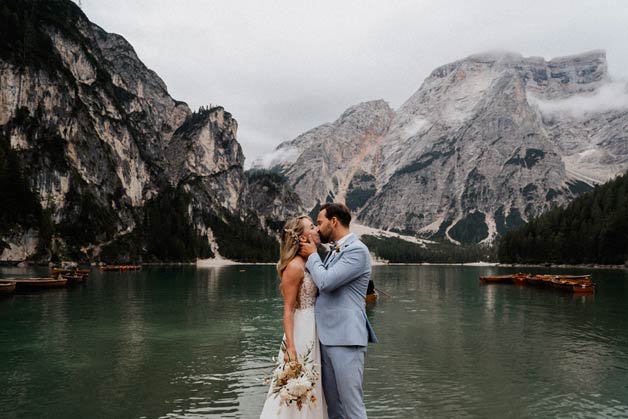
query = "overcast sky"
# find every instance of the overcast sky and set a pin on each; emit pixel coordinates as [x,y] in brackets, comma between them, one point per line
[282,67]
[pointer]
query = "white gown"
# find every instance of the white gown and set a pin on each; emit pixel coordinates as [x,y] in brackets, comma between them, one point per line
[304,336]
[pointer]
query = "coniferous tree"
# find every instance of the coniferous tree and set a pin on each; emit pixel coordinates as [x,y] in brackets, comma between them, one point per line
[591,229]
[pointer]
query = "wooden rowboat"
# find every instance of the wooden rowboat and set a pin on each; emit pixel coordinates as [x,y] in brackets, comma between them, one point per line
[583,289]
[60,271]
[7,287]
[579,284]
[540,279]
[520,279]
[497,278]
[119,268]
[73,279]
[371,298]
[38,283]
[575,277]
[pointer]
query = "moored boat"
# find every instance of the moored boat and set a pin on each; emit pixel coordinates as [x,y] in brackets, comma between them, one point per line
[372,297]
[558,283]
[520,279]
[539,279]
[6,287]
[39,283]
[73,279]
[496,278]
[581,284]
[61,271]
[119,268]
[583,288]
[575,277]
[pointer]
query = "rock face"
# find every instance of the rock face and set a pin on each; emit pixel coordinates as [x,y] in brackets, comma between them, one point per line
[272,197]
[97,161]
[328,162]
[486,143]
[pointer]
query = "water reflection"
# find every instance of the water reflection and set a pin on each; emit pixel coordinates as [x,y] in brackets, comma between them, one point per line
[482,351]
[185,342]
[226,384]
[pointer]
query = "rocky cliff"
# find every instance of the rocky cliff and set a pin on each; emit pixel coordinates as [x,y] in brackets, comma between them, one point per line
[98,161]
[485,143]
[333,161]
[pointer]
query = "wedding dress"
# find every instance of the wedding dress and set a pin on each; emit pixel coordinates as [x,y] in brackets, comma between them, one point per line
[304,337]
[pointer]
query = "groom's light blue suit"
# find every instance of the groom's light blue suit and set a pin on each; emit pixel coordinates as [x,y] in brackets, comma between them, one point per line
[343,328]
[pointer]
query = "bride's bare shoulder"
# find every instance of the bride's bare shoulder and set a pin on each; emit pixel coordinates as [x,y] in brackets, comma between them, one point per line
[294,270]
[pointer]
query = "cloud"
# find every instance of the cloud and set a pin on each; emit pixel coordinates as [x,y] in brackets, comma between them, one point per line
[282,67]
[279,156]
[608,97]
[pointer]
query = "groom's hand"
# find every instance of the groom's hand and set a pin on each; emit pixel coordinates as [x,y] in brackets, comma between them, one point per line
[306,247]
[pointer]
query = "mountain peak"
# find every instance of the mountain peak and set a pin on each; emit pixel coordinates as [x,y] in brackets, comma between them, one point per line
[476,150]
[593,55]
[371,106]
[372,116]
[123,171]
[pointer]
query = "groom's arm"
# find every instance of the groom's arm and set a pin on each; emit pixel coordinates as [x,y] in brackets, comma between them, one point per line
[353,263]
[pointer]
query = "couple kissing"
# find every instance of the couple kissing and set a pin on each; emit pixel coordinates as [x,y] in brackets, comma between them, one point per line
[324,320]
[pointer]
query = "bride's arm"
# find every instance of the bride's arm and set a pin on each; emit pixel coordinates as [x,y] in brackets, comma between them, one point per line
[290,283]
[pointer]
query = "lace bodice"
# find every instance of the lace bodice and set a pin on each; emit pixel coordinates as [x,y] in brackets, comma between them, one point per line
[307,293]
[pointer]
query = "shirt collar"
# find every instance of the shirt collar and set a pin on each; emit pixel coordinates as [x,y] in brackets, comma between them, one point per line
[343,240]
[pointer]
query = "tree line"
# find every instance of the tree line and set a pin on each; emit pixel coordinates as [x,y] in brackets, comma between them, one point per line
[396,250]
[593,228]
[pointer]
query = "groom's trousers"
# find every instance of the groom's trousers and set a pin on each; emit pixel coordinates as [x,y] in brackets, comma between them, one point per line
[342,369]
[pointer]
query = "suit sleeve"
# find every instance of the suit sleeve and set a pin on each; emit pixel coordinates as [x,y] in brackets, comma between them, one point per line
[352,263]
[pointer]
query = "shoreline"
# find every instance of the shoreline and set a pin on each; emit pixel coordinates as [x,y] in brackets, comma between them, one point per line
[508,265]
[221,262]
[201,263]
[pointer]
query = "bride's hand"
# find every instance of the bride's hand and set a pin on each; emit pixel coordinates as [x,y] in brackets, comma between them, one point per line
[292,354]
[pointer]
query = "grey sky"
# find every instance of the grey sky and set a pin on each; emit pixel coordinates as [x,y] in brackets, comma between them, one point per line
[282,67]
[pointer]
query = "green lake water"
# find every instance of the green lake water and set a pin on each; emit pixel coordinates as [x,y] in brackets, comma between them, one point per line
[184,342]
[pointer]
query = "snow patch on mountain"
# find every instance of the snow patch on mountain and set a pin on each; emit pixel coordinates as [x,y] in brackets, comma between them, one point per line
[586,167]
[492,230]
[362,230]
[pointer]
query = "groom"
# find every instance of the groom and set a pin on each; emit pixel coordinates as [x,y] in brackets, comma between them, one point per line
[343,328]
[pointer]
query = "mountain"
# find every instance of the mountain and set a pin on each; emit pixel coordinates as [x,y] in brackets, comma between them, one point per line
[485,144]
[321,163]
[99,162]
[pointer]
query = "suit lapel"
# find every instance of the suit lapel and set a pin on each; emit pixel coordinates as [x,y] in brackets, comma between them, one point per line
[334,255]
[328,257]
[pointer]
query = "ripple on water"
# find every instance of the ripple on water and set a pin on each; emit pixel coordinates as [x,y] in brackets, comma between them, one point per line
[200,347]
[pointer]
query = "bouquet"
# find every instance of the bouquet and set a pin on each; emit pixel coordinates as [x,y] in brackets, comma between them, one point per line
[293,380]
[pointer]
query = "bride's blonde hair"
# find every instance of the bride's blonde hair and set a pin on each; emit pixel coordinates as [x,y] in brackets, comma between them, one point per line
[290,241]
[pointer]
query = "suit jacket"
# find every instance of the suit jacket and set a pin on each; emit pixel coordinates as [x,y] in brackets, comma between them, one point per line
[340,307]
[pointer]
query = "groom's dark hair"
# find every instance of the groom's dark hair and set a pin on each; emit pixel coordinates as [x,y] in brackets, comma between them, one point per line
[338,210]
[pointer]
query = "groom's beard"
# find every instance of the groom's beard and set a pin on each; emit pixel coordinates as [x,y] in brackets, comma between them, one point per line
[324,238]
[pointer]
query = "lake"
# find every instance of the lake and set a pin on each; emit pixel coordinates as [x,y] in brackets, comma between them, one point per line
[184,342]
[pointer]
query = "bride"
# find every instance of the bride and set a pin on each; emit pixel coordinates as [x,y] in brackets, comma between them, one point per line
[299,296]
